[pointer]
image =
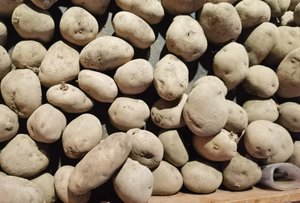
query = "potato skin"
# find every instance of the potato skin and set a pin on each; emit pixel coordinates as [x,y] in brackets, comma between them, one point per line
[9,123]
[97,7]
[44,4]
[296,14]
[5,63]
[3,34]
[7,7]
[45,183]
[293,4]
[214,80]
[237,120]
[278,7]
[176,7]
[295,158]
[289,116]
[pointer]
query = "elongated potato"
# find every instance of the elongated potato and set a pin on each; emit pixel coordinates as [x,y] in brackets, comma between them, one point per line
[97,7]
[5,63]
[3,34]
[9,123]
[44,4]
[237,120]
[176,7]
[278,7]
[45,183]
[289,116]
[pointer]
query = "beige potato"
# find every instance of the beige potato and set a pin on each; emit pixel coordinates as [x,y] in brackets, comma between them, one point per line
[2,174]
[81,135]
[197,175]
[97,7]
[215,81]
[9,123]
[278,7]
[261,109]
[122,107]
[219,1]
[7,6]
[33,23]
[268,141]
[46,124]
[99,164]
[61,181]
[106,53]
[99,86]
[296,14]
[150,10]
[147,149]
[45,183]
[60,64]
[44,4]
[5,63]
[293,4]
[21,91]
[133,29]
[289,116]
[174,149]
[69,98]
[78,26]
[171,77]
[231,64]
[220,22]
[295,158]
[134,182]
[134,77]
[185,38]
[167,179]
[3,34]
[22,157]
[261,41]
[176,7]
[237,120]
[287,19]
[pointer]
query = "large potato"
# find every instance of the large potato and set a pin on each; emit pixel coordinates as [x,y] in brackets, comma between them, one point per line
[214,80]
[289,116]
[97,7]
[278,7]
[7,6]
[9,123]
[295,158]
[3,34]
[5,62]
[176,7]
[45,183]
[44,4]
[21,91]
[237,120]
[106,53]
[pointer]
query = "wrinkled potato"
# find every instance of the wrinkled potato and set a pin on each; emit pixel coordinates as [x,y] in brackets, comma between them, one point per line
[9,123]
[278,7]
[69,98]
[45,183]
[44,4]
[296,14]
[78,26]
[97,7]
[295,158]
[7,6]
[81,135]
[176,7]
[21,91]
[214,80]
[289,116]
[3,34]
[237,120]
[5,62]
[98,85]
[22,157]
[46,124]
[134,77]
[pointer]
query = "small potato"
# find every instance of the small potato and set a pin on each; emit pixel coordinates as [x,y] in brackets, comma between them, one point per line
[69,98]
[212,80]
[134,182]
[22,157]
[237,120]
[289,116]
[176,7]
[7,6]
[197,175]
[33,23]
[5,62]
[220,22]
[265,109]
[60,64]
[253,12]
[97,7]
[28,54]
[21,91]
[99,86]
[44,4]
[295,158]
[171,77]
[133,29]
[296,14]
[122,107]
[134,77]
[46,124]
[261,81]
[150,10]
[278,7]
[167,179]
[9,123]
[78,26]
[3,33]
[231,64]
[287,19]
[106,53]
[45,183]
[81,135]
[293,4]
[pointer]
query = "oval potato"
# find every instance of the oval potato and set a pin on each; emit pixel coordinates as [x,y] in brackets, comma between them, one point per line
[9,123]
[289,116]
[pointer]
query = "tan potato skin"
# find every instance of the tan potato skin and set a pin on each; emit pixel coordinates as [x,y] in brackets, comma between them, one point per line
[97,7]
[182,7]
[5,63]
[9,123]
[237,120]
[296,14]
[278,7]
[295,158]
[289,116]
[44,4]
[7,6]
[45,183]
[3,34]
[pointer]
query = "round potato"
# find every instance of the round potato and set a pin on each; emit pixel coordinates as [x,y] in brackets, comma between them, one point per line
[295,158]
[237,120]
[212,80]
[45,183]
[3,34]
[176,7]
[7,6]
[44,4]
[5,62]
[97,7]
[9,123]
[289,116]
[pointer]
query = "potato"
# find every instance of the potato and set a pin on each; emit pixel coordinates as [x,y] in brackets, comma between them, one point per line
[287,19]
[99,86]
[134,182]
[21,91]
[176,7]
[78,26]
[44,4]
[296,14]
[240,173]
[9,123]
[81,135]
[147,149]
[261,81]
[97,7]
[16,189]
[231,64]
[150,10]
[185,38]
[69,98]
[197,175]
[212,80]
[253,12]
[133,29]
[106,53]
[134,77]
[269,141]
[22,157]
[295,158]
[28,54]
[61,180]
[7,6]
[60,64]
[122,107]
[46,124]
[3,33]
[289,116]
[33,23]
[5,63]
[278,7]
[293,4]
[99,164]
[261,109]
[219,1]
[2,174]
[171,77]
[237,120]
[220,22]
[261,41]
[45,183]
[167,179]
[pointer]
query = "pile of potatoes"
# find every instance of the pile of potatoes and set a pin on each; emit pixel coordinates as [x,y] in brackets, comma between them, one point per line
[123,100]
